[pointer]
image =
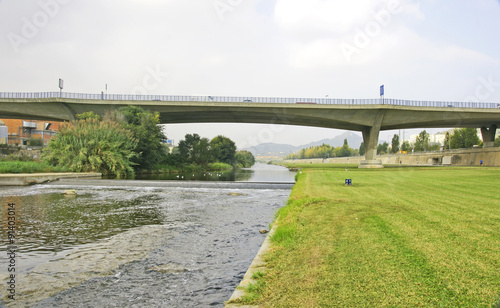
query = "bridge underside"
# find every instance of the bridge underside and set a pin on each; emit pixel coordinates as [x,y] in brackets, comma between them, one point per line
[368,119]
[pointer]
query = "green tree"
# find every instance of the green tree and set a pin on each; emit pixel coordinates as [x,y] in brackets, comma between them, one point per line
[244,159]
[88,115]
[471,138]
[447,137]
[435,147]
[464,138]
[91,145]
[395,144]
[422,142]
[223,149]
[144,125]
[344,151]
[194,149]
[497,142]
[406,146]
[383,148]
[302,154]
[362,148]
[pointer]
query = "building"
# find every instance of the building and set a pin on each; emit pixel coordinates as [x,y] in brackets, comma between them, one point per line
[20,131]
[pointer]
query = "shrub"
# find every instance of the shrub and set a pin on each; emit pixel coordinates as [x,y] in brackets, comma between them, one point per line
[91,145]
[35,142]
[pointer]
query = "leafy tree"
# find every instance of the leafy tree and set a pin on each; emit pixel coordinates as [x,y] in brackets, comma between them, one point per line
[223,149]
[194,149]
[497,142]
[435,147]
[302,154]
[244,159]
[464,138]
[173,159]
[88,115]
[362,148]
[91,145]
[406,146]
[447,137]
[471,137]
[144,125]
[395,144]
[383,148]
[324,151]
[344,151]
[422,142]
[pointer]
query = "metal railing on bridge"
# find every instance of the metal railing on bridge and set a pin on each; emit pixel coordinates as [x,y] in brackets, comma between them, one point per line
[236,99]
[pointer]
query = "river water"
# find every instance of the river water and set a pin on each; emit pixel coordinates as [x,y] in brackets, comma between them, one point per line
[137,243]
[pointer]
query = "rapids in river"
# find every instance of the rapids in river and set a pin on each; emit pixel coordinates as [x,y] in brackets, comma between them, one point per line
[138,243]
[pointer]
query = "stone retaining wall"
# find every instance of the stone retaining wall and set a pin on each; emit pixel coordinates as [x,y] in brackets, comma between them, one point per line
[468,157]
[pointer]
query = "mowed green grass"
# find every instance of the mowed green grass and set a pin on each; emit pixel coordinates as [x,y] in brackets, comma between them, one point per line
[398,237]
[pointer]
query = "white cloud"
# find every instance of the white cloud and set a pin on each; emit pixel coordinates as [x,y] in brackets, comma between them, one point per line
[322,15]
[328,33]
[307,19]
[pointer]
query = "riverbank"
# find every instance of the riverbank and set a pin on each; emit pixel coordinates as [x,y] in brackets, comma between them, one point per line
[460,157]
[30,166]
[172,169]
[22,173]
[396,237]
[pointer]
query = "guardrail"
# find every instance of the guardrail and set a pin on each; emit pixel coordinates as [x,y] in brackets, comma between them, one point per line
[235,99]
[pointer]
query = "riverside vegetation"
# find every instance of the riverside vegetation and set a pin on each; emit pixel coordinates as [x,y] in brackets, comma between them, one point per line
[460,138]
[126,142]
[398,237]
[12,165]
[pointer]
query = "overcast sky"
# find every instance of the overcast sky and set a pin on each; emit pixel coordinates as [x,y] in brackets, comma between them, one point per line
[426,50]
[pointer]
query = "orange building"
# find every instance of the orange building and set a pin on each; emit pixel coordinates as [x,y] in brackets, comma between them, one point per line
[20,131]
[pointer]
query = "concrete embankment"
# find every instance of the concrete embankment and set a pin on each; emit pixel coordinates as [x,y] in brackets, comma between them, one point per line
[25,179]
[258,265]
[466,157]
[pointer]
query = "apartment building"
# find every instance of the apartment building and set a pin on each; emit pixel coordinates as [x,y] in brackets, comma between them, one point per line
[20,131]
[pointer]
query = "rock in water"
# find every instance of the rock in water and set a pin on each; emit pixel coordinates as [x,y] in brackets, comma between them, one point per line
[70,192]
[170,268]
[263,231]
[236,194]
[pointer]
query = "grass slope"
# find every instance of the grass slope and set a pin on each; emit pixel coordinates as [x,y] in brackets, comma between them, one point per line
[398,237]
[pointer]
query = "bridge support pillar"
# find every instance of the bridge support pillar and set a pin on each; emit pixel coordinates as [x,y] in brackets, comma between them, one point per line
[370,138]
[489,136]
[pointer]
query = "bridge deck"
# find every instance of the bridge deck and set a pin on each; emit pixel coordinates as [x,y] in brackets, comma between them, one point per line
[242,99]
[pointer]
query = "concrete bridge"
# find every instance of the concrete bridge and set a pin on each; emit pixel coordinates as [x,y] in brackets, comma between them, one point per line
[369,116]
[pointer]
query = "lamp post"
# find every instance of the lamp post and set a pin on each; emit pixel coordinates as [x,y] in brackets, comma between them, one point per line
[61,84]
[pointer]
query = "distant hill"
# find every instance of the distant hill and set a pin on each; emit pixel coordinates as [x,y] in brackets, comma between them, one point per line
[282,150]
[354,141]
[272,149]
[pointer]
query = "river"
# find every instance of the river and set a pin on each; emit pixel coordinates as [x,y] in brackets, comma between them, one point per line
[137,243]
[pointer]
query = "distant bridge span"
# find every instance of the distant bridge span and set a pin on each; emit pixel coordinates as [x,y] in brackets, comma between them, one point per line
[367,116]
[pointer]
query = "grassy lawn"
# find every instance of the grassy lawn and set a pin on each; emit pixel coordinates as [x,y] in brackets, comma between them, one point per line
[398,237]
